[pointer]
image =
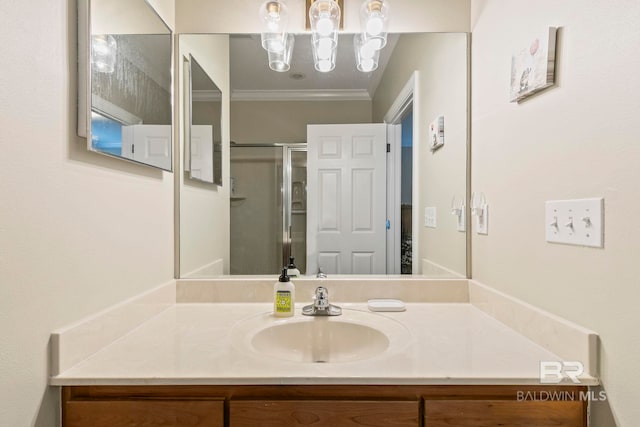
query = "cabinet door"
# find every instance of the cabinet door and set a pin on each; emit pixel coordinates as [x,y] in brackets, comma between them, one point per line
[503,413]
[323,413]
[147,413]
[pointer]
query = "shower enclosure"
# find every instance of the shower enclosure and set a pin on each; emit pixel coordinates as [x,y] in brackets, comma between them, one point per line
[268,207]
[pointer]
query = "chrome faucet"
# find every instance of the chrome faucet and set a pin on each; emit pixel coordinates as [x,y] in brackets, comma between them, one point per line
[321,306]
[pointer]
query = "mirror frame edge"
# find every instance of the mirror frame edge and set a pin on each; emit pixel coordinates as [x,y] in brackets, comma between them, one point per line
[84,94]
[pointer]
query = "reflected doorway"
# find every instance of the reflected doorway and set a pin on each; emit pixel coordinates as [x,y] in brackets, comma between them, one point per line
[406,193]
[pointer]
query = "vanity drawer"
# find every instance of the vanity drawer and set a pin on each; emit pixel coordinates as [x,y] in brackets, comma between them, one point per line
[504,413]
[142,412]
[323,413]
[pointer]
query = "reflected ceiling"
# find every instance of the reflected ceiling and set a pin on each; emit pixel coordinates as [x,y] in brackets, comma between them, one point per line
[252,78]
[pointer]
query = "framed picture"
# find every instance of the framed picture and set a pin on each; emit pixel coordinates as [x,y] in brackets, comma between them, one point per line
[533,67]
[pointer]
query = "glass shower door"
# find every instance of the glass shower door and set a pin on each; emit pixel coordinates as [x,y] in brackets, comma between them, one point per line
[257,216]
[268,207]
[297,204]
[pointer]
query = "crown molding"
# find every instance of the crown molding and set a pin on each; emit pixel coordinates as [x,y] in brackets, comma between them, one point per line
[301,95]
[206,95]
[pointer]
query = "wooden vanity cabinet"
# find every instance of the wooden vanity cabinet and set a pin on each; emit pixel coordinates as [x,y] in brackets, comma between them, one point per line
[143,412]
[489,413]
[505,406]
[324,405]
[323,413]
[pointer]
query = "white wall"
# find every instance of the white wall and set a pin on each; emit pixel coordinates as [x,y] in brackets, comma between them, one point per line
[578,139]
[286,121]
[217,16]
[204,209]
[78,231]
[441,60]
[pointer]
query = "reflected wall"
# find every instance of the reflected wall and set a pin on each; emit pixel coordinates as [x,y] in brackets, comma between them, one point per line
[202,209]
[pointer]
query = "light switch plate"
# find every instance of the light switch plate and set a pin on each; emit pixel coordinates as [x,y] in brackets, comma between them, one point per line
[462,221]
[575,222]
[430,217]
[482,221]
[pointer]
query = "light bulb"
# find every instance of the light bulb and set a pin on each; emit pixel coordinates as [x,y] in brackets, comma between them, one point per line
[367,51]
[374,15]
[375,44]
[275,45]
[324,26]
[273,26]
[366,56]
[103,53]
[324,65]
[280,61]
[375,24]
[324,48]
[274,16]
[367,64]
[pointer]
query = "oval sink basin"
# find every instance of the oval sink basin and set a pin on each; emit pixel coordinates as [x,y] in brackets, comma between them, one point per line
[351,337]
[320,340]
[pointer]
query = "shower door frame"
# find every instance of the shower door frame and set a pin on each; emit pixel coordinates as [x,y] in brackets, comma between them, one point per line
[287,150]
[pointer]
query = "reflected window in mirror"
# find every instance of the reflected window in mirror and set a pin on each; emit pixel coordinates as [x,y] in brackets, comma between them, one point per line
[125,81]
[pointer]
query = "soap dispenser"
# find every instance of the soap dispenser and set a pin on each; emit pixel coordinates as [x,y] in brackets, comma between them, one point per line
[284,296]
[292,270]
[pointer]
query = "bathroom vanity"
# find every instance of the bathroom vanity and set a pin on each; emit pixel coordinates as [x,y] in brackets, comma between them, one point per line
[209,353]
[322,405]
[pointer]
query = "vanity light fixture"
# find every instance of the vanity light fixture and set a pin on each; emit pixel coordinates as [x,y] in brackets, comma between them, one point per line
[324,17]
[281,61]
[366,56]
[324,22]
[275,17]
[374,16]
[373,22]
[103,53]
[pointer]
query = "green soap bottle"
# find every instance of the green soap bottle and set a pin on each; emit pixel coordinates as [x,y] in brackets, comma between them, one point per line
[284,296]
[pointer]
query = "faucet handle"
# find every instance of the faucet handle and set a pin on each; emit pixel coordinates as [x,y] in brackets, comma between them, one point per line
[322,292]
[321,297]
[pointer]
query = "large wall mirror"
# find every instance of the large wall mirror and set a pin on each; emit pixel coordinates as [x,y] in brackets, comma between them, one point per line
[125,80]
[420,77]
[203,127]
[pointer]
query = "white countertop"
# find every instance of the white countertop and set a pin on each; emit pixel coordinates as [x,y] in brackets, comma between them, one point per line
[194,344]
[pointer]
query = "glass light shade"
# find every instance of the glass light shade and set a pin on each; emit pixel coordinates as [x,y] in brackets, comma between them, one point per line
[324,16]
[374,16]
[103,53]
[367,56]
[324,54]
[281,61]
[275,17]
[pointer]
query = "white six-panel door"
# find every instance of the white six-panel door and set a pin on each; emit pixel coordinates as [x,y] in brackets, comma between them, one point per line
[346,199]
[148,144]
[201,152]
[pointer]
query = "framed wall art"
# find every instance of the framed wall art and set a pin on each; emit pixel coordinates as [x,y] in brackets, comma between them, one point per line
[533,66]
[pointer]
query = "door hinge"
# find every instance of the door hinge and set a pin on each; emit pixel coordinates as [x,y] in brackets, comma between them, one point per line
[388,148]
